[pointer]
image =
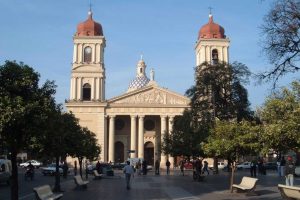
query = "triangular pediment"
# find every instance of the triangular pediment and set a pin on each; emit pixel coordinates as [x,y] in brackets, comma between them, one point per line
[152,95]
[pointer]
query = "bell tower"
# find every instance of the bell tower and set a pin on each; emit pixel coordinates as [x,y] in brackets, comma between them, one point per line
[212,45]
[88,70]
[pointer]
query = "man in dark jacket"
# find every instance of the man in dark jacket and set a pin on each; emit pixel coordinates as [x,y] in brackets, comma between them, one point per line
[289,172]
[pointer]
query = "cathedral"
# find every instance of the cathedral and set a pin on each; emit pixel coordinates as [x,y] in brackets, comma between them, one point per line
[132,124]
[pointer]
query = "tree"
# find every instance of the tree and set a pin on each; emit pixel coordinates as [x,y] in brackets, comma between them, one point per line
[57,140]
[281,43]
[231,139]
[23,108]
[85,147]
[218,93]
[184,140]
[280,115]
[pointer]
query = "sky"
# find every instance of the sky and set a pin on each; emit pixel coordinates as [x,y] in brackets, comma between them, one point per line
[40,34]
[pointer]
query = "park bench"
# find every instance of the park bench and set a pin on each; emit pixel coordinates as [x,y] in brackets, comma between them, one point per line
[79,182]
[289,192]
[247,185]
[45,193]
[97,175]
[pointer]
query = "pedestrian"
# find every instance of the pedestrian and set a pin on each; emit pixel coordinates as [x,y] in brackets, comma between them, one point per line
[65,169]
[75,168]
[282,166]
[289,172]
[253,166]
[139,167]
[205,167]
[128,171]
[157,167]
[278,167]
[182,167]
[144,165]
[168,164]
[98,167]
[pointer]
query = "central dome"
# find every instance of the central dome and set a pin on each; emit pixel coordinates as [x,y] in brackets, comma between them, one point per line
[141,79]
[89,27]
[211,30]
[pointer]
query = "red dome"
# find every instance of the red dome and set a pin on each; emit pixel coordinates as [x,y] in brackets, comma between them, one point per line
[211,30]
[89,27]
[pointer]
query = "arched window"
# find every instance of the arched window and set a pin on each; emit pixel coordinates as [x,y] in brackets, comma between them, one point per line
[86,92]
[215,57]
[87,54]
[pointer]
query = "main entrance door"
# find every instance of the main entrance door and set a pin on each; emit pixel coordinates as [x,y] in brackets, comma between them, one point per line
[149,153]
[119,152]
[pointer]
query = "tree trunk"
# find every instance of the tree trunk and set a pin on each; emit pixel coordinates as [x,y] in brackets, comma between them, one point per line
[232,175]
[57,176]
[14,188]
[216,170]
[80,166]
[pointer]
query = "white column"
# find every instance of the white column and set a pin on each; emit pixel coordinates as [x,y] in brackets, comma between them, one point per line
[71,89]
[171,120]
[111,145]
[101,90]
[141,137]
[75,88]
[105,149]
[97,88]
[79,53]
[75,53]
[93,90]
[133,136]
[163,125]
[79,89]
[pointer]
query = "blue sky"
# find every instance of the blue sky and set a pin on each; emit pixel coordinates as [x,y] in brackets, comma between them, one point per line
[39,33]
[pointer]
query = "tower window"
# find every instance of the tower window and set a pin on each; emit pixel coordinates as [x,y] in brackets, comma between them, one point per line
[86,92]
[87,54]
[215,58]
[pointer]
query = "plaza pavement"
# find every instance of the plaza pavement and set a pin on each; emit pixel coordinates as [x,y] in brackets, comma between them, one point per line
[171,187]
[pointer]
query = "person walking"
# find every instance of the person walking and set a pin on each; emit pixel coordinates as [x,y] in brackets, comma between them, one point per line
[156,167]
[144,165]
[205,167]
[182,167]
[168,164]
[128,171]
[65,169]
[253,168]
[289,172]
[282,166]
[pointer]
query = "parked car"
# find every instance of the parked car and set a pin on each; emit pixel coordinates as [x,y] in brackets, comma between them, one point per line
[221,165]
[188,165]
[118,166]
[244,165]
[105,168]
[51,169]
[5,171]
[35,163]
[270,165]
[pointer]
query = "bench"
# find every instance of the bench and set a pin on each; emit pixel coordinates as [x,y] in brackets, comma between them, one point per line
[79,182]
[289,192]
[97,175]
[44,192]
[247,185]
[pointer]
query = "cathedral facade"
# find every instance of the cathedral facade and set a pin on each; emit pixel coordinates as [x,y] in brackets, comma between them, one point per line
[132,124]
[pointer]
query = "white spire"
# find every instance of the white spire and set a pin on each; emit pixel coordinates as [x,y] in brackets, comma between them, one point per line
[152,74]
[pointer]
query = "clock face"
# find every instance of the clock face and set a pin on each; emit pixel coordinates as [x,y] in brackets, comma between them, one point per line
[88,49]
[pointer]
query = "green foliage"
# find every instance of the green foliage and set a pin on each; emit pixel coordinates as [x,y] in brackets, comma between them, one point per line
[281,118]
[219,93]
[184,140]
[22,103]
[231,139]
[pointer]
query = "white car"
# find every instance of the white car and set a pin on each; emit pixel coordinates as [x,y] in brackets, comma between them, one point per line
[35,163]
[221,165]
[51,169]
[244,165]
